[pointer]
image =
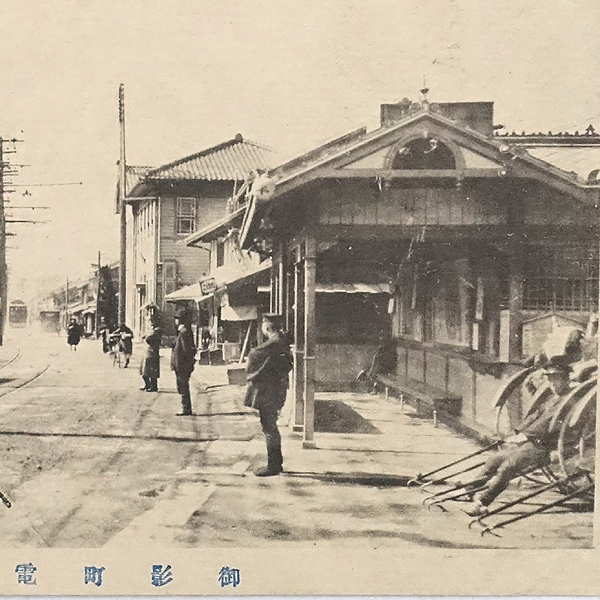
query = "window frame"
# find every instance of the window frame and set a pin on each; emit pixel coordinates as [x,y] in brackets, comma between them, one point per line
[183,217]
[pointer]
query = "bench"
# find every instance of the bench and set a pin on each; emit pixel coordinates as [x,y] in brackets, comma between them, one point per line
[426,398]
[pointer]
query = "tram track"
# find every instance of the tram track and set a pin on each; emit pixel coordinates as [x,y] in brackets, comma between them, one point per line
[124,471]
[23,384]
[12,360]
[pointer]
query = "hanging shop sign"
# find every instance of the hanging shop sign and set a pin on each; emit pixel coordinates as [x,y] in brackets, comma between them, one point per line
[208,286]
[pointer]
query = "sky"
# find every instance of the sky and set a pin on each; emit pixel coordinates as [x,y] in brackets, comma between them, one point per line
[288,74]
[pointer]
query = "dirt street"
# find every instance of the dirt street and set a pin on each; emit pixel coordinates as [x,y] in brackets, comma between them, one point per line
[84,450]
[89,460]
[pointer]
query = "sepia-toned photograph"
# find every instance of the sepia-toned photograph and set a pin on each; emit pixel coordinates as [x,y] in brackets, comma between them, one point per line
[315,281]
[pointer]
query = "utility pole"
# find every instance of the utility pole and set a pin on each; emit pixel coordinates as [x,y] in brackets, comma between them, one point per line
[98,299]
[122,212]
[67,304]
[3,267]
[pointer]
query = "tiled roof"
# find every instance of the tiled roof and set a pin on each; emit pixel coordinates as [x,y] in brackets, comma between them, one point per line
[577,153]
[133,175]
[233,160]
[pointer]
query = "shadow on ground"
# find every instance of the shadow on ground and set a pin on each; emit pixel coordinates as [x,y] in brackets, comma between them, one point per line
[335,416]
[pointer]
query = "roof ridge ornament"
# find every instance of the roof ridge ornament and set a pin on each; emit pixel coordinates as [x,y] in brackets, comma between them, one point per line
[424,91]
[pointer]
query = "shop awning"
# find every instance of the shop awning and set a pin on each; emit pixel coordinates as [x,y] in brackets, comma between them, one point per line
[228,275]
[87,307]
[239,313]
[188,292]
[353,288]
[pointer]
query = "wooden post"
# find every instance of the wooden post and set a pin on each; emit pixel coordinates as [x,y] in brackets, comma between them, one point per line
[122,212]
[279,308]
[245,344]
[298,379]
[97,323]
[516,283]
[273,281]
[310,262]
[3,266]
[515,304]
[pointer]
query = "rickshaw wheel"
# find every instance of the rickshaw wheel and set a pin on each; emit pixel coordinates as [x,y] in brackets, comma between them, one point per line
[576,446]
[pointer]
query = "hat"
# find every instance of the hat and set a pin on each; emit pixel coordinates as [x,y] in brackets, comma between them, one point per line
[274,319]
[183,314]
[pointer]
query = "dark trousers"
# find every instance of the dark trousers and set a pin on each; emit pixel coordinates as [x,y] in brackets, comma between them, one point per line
[150,383]
[183,388]
[268,421]
[507,464]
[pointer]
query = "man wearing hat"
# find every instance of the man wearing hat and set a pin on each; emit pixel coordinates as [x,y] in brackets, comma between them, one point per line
[183,358]
[267,374]
[533,442]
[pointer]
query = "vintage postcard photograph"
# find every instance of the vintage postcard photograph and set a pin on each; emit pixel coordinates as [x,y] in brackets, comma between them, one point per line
[299,298]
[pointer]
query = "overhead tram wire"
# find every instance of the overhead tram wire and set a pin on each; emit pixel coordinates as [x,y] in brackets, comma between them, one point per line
[44,184]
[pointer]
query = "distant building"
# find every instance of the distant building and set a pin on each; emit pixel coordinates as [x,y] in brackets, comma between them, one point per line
[167,205]
[78,299]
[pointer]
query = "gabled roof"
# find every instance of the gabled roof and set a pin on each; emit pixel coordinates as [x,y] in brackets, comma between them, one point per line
[332,159]
[233,160]
[337,154]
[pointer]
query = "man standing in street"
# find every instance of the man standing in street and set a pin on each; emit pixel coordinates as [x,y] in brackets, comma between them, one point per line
[183,359]
[267,373]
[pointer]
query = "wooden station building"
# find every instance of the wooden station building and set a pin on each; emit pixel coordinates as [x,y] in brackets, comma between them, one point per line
[433,230]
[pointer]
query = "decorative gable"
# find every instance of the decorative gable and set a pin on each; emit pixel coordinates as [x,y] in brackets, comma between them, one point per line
[424,150]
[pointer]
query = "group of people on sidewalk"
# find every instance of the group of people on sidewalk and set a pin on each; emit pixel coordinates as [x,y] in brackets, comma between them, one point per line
[267,373]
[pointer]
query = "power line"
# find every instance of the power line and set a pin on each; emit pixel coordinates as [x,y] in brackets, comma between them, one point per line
[44,184]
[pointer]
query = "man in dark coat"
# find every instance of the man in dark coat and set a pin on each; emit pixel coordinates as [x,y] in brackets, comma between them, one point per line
[267,374]
[74,333]
[183,359]
[150,366]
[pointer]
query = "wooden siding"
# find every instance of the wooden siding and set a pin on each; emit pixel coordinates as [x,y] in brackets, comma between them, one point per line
[352,204]
[192,263]
[545,206]
[474,203]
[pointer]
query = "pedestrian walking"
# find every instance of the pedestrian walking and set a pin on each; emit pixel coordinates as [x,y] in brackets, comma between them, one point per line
[150,366]
[74,333]
[267,373]
[183,359]
[125,342]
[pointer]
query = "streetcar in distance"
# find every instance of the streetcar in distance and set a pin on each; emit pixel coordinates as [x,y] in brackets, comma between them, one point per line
[50,321]
[17,314]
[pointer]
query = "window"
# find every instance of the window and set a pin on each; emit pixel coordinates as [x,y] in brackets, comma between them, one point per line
[563,278]
[185,221]
[424,153]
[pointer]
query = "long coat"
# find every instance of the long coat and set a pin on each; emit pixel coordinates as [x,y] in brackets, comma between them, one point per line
[183,357]
[74,332]
[267,374]
[150,366]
